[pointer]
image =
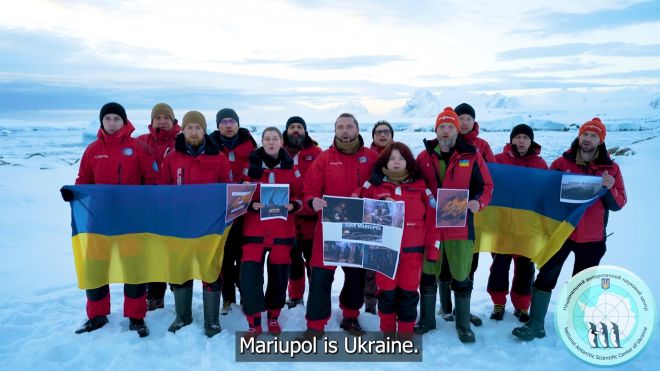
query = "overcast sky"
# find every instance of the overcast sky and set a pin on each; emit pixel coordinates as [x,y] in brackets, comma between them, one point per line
[277,55]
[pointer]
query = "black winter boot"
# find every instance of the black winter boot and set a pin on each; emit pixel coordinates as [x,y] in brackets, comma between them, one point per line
[92,324]
[535,327]
[211,313]
[445,310]
[137,324]
[463,329]
[183,307]
[426,321]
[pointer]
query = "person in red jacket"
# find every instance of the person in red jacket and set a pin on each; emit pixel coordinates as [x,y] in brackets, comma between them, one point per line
[449,162]
[269,164]
[523,151]
[396,177]
[116,158]
[304,151]
[160,141]
[587,155]
[195,160]
[382,134]
[468,130]
[338,171]
[237,144]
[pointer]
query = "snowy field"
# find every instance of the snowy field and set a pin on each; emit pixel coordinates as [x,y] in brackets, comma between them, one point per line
[41,306]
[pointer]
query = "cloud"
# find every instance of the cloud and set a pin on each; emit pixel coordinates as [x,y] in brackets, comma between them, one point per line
[563,22]
[355,61]
[610,49]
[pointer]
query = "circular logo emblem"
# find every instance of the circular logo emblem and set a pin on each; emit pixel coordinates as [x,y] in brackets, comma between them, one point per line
[127,151]
[605,315]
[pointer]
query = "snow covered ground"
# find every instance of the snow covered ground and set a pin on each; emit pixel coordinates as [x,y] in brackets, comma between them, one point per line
[40,305]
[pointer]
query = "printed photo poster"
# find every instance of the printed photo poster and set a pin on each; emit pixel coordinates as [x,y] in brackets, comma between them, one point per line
[363,233]
[577,189]
[238,200]
[274,198]
[452,208]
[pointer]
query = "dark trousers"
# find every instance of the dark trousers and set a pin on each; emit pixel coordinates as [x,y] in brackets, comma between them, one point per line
[351,296]
[231,262]
[523,277]
[587,255]
[301,254]
[156,290]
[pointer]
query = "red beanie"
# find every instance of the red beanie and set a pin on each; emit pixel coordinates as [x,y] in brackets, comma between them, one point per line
[447,116]
[596,126]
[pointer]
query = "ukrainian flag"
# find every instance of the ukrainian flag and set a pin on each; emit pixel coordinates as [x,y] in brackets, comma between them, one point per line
[525,216]
[137,234]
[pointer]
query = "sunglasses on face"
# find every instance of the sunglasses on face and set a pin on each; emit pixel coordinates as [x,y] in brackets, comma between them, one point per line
[382,132]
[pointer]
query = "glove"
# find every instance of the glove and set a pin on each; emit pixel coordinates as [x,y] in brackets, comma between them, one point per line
[433,252]
[67,194]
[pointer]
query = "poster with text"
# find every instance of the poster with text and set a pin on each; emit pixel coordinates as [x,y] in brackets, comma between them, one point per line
[238,200]
[362,233]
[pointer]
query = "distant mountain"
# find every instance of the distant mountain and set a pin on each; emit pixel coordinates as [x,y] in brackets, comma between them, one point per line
[422,104]
[499,101]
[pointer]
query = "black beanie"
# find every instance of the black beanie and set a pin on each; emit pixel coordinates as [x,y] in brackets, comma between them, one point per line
[226,113]
[295,120]
[379,123]
[464,108]
[115,108]
[522,129]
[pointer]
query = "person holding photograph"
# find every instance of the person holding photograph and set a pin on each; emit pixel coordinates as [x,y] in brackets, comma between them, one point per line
[269,164]
[396,177]
[304,151]
[346,165]
[382,135]
[523,151]
[449,162]
[116,158]
[587,156]
[196,160]
[237,144]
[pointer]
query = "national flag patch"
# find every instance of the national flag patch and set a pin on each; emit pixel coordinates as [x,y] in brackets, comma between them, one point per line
[463,163]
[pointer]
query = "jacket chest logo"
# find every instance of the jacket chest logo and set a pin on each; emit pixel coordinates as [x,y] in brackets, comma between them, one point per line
[335,163]
[463,163]
[127,151]
[362,159]
[101,156]
[309,158]
[231,156]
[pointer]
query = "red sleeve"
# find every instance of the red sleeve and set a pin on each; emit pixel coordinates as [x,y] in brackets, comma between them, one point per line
[488,153]
[85,171]
[314,186]
[615,198]
[487,193]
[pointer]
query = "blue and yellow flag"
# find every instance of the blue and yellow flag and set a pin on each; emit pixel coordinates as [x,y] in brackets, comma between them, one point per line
[137,234]
[525,216]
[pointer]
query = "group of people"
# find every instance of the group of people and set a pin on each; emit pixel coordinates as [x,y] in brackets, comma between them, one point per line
[432,260]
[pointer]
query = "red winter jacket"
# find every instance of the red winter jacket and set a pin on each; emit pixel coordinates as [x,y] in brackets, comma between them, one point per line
[510,156]
[472,173]
[117,159]
[238,155]
[160,142]
[334,173]
[483,146]
[418,205]
[375,148]
[183,167]
[273,231]
[591,227]
[303,158]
